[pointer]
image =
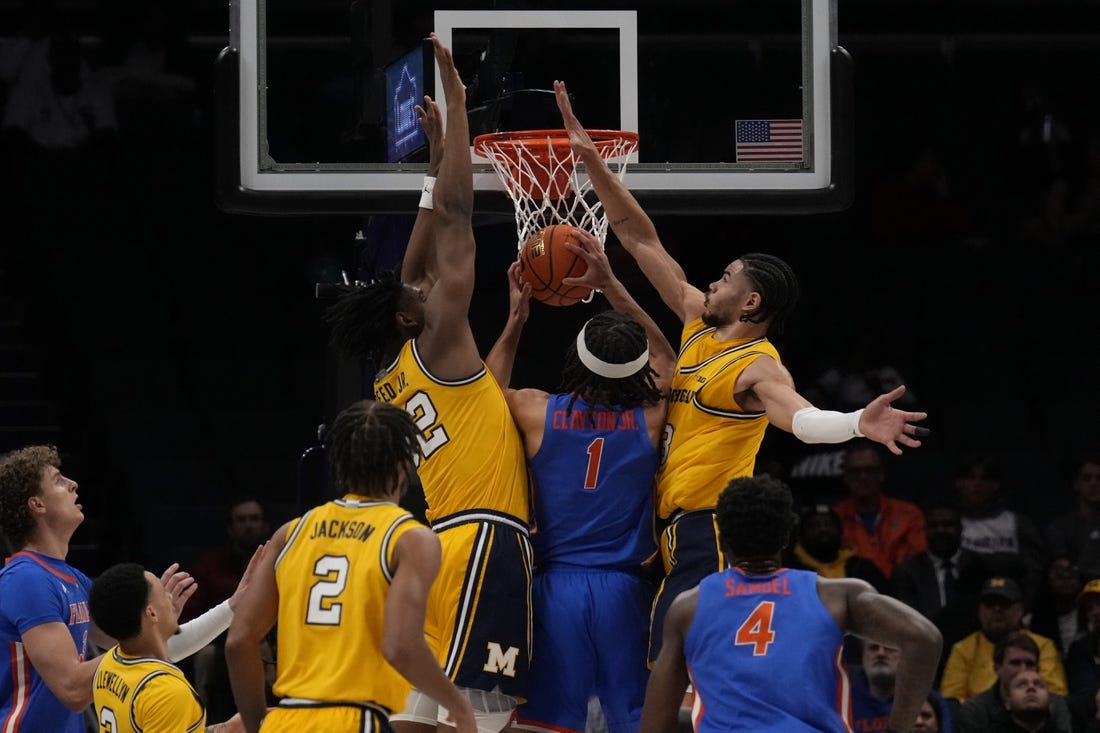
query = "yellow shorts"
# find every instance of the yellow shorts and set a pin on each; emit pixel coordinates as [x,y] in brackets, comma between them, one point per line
[331,718]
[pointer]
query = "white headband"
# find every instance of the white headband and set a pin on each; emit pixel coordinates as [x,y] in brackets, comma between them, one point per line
[598,366]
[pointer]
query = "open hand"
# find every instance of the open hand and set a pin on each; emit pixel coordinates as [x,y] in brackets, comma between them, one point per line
[883,423]
[579,139]
[179,585]
[253,563]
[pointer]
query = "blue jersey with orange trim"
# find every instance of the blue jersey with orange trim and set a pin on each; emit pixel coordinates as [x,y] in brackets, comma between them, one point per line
[593,486]
[34,590]
[764,654]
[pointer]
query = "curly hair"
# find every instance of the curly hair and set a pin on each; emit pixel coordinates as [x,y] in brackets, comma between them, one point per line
[118,599]
[369,445]
[21,474]
[755,517]
[778,287]
[362,319]
[617,339]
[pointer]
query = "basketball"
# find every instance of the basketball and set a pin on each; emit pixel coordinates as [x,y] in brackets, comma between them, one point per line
[545,262]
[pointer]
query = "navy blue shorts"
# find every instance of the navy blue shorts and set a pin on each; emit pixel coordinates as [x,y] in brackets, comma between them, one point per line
[690,552]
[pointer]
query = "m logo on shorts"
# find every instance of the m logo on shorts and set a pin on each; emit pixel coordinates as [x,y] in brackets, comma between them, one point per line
[500,661]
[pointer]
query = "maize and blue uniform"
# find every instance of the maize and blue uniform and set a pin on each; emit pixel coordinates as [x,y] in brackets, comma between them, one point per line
[475,484]
[34,590]
[143,694]
[333,576]
[593,504]
[709,440]
[764,654]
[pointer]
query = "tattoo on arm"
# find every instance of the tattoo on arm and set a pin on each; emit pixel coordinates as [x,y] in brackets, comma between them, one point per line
[616,222]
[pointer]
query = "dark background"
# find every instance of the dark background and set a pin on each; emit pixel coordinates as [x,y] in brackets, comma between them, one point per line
[176,354]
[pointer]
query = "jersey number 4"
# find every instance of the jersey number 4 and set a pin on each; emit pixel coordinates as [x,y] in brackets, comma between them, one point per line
[757,629]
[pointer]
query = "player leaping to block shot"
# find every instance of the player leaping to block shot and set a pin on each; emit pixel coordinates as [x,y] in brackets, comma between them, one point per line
[729,383]
[475,480]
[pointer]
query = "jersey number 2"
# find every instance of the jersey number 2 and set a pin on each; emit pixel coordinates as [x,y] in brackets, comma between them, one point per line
[323,609]
[432,437]
[757,629]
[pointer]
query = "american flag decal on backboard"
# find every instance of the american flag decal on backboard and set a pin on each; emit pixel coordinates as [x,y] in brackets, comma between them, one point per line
[768,141]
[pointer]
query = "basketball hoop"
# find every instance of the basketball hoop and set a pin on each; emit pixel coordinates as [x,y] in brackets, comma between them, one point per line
[539,173]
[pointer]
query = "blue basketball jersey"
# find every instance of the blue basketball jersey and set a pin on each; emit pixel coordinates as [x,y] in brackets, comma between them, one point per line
[36,589]
[593,486]
[764,654]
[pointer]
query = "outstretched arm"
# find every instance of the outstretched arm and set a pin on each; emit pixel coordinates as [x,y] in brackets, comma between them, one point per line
[767,385]
[889,621]
[446,343]
[599,276]
[630,223]
[502,357]
[669,679]
[415,268]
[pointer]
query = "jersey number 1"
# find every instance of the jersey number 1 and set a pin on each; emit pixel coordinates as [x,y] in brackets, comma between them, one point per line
[595,453]
[757,629]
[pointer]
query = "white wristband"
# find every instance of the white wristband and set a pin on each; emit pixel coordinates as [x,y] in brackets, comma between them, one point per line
[426,193]
[198,632]
[811,425]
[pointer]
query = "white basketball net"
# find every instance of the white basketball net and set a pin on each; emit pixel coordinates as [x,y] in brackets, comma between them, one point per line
[540,175]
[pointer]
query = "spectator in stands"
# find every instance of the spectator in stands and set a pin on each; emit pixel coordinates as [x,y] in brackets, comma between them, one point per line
[819,549]
[1083,657]
[878,527]
[1056,612]
[1013,654]
[873,690]
[1028,707]
[970,670]
[217,573]
[1076,535]
[943,581]
[931,715]
[991,528]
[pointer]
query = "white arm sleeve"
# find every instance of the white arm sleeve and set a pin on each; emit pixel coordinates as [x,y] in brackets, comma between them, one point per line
[811,425]
[198,632]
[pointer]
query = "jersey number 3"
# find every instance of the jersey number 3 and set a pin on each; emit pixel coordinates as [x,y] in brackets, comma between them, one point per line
[757,629]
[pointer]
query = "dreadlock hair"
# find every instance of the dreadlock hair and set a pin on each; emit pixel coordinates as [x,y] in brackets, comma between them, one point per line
[118,598]
[755,517]
[20,479]
[369,445]
[617,339]
[778,287]
[362,319]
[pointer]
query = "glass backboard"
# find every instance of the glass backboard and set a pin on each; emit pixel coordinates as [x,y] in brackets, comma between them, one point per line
[737,103]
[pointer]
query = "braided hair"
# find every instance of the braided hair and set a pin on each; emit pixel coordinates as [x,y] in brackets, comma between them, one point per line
[755,517]
[369,445]
[615,338]
[778,287]
[362,319]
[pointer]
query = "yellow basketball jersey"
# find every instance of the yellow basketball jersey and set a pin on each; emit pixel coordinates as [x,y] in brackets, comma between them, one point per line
[333,576]
[143,694]
[709,439]
[473,455]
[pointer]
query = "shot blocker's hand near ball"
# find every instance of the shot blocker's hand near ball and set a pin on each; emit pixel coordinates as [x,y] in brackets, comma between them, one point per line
[598,276]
